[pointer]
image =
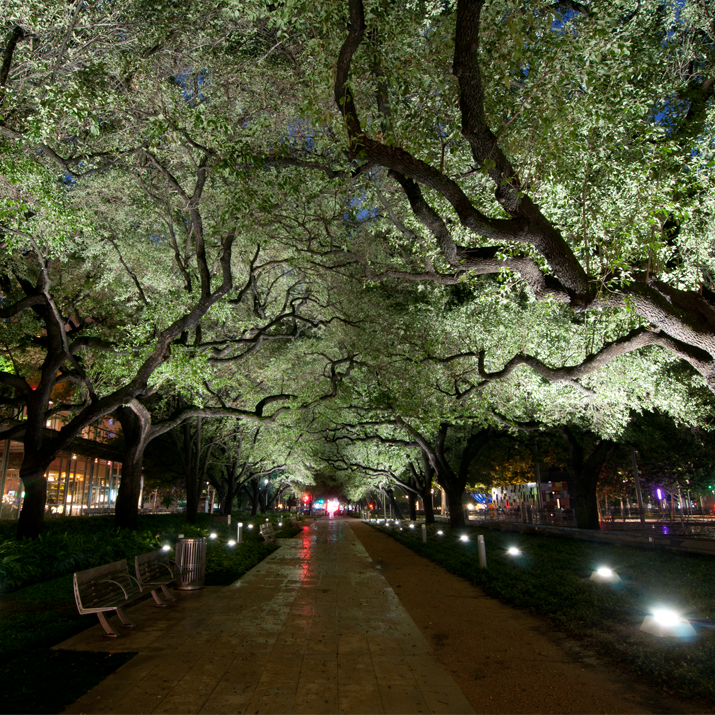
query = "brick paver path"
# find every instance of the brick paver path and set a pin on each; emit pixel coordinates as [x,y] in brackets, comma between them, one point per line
[314,628]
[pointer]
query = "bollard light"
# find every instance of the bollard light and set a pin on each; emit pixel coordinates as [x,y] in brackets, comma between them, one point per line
[666,623]
[482,550]
[166,547]
[232,543]
[513,551]
[603,574]
[464,537]
[212,535]
[424,533]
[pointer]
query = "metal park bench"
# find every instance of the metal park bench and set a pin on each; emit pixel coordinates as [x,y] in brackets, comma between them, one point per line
[156,571]
[106,588]
[267,533]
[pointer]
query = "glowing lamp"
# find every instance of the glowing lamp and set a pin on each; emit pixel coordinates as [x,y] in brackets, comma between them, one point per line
[464,537]
[212,535]
[232,543]
[412,526]
[513,551]
[250,526]
[240,523]
[166,547]
[666,623]
[605,575]
[440,533]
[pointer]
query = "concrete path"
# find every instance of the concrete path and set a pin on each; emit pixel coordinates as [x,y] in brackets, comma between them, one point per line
[314,628]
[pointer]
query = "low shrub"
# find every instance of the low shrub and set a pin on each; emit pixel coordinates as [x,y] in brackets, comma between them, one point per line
[35,617]
[70,544]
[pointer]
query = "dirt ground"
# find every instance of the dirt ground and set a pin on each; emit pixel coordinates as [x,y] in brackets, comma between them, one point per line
[504,659]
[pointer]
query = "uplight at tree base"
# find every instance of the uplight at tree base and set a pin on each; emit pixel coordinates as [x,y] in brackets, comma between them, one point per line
[603,574]
[666,623]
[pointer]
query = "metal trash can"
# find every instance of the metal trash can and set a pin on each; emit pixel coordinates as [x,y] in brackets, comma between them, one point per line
[191,559]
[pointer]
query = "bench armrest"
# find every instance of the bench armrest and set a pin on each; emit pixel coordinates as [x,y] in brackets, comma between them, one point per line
[126,595]
[166,566]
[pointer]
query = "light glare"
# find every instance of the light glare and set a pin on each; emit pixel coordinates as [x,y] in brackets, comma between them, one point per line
[604,572]
[666,617]
[464,537]
[212,535]
[232,543]
[166,547]
[513,551]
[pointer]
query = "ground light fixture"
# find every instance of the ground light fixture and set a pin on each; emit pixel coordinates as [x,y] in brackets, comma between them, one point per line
[212,535]
[166,547]
[412,526]
[666,623]
[440,533]
[604,574]
[513,551]
[232,543]
[464,537]
[250,526]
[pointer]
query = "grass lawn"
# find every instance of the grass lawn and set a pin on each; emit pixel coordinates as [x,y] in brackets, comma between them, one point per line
[36,617]
[551,578]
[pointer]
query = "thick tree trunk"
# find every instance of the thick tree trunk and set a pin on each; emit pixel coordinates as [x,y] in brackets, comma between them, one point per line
[586,503]
[455,496]
[193,487]
[391,497]
[32,474]
[585,474]
[412,499]
[135,421]
[427,501]
[126,511]
[428,479]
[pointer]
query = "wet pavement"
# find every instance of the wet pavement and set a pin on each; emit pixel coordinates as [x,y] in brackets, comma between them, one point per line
[314,628]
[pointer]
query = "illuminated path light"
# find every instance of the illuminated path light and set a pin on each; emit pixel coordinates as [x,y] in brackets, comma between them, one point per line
[464,537]
[513,551]
[603,574]
[666,623]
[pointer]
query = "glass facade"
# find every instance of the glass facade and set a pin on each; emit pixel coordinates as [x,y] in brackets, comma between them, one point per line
[76,484]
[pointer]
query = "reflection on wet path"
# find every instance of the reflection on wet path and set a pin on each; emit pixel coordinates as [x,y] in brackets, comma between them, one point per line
[312,629]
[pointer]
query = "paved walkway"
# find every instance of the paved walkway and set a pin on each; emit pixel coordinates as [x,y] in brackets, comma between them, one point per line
[314,628]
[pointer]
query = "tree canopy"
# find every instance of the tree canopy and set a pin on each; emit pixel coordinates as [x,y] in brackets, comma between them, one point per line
[380,235]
